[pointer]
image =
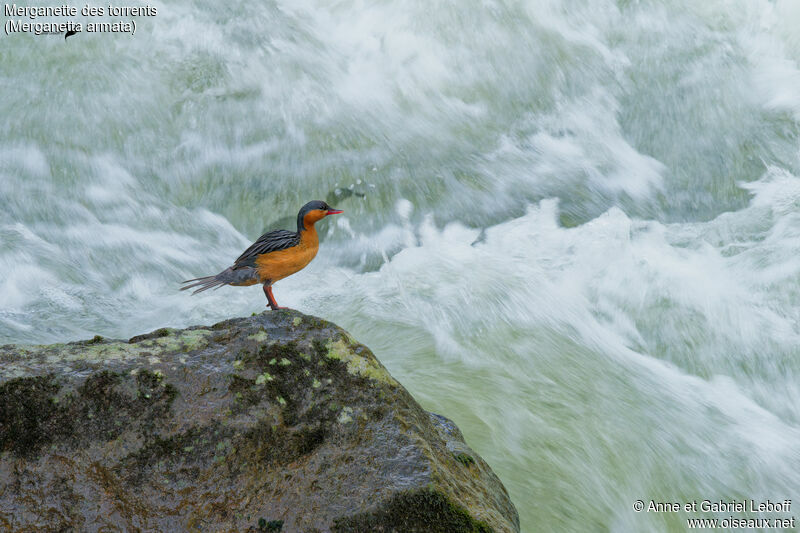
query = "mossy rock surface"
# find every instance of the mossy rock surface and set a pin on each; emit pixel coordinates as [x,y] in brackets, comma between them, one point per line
[276,422]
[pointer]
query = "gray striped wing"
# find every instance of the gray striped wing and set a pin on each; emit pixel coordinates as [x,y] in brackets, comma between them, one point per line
[271,241]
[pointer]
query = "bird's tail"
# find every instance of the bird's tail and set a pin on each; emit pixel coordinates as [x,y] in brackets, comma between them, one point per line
[205,283]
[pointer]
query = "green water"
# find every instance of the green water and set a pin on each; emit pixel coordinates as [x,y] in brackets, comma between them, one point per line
[571,226]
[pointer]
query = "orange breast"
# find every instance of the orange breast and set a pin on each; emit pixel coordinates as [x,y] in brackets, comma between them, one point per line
[277,265]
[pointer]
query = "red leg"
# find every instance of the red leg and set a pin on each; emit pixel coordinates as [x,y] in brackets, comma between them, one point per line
[270,298]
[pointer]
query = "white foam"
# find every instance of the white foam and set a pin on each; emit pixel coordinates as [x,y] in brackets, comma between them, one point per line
[696,334]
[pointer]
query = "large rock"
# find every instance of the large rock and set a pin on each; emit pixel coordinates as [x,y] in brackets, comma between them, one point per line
[277,422]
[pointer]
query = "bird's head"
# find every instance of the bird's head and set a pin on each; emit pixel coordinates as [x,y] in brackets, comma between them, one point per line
[312,212]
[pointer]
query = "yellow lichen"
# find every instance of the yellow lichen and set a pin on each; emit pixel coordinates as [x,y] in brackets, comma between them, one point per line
[357,364]
[261,336]
[65,354]
[344,416]
[263,378]
[186,341]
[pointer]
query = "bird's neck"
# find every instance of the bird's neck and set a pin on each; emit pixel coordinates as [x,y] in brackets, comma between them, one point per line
[308,235]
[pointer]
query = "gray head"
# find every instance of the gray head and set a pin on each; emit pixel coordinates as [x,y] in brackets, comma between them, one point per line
[312,212]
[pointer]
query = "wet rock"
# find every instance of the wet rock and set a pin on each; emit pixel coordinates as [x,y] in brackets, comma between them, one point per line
[277,422]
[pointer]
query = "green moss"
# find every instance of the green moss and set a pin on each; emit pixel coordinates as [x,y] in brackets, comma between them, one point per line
[270,526]
[170,392]
[269,443]
[148,379]
[101,406]
[34,411]
[245,392]
[418,510]
[163,332]
[464,458]
[189,447]
[29,416]
[269,354]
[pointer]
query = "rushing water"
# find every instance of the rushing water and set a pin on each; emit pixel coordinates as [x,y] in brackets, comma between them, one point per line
[571,226]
